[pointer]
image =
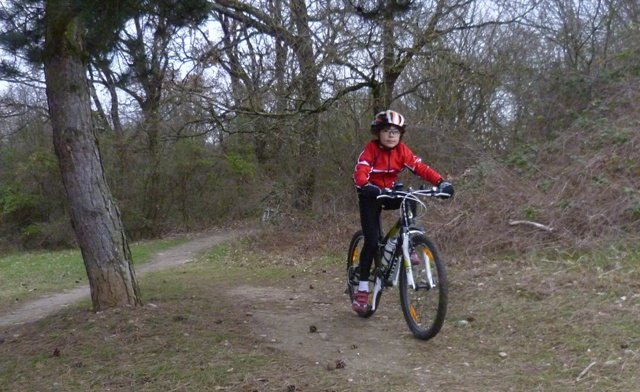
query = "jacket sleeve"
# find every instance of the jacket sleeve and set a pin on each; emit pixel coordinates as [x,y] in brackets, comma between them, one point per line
[364,166]
[415,164]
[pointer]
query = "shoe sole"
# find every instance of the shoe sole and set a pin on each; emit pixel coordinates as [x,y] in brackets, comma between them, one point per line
[360,309]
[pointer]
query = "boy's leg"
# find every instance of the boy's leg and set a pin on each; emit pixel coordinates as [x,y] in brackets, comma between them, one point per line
[370,221]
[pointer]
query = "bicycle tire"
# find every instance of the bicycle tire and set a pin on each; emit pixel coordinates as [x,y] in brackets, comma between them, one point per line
[353,274]
[424,309]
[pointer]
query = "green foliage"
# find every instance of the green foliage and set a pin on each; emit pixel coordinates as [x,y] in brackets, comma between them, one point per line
[634,210]
[32,231]
[531,213]
[626,64]
[460,103]
[14,40]
[545,185]
[523,158]
[615,136]
[16,204]
[136,224]
[240,165]
[105,19]
[566,204]
[32,198]
[600,180]
[182,13]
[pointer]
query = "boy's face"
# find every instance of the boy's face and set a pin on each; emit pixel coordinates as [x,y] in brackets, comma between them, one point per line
[390,137]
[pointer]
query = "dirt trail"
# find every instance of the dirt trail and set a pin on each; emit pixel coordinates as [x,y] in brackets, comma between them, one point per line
[44,306]
[310,320]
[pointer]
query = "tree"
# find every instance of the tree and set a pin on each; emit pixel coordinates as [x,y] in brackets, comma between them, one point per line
[140,63]
[61,41]
[306,99]
[33,211]
[94,214]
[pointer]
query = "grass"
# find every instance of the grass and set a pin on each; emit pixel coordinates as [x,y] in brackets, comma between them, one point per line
[544,322]
[28,275]
[180,340]
[555,317]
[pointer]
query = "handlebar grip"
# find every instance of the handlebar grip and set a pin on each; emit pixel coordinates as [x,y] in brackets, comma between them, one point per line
[386,192]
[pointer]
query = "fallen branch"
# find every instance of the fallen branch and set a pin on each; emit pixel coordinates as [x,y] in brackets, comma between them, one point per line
[585,371]
[530,223]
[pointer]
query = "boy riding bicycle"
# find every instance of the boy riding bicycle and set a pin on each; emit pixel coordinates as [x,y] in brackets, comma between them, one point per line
[378,167]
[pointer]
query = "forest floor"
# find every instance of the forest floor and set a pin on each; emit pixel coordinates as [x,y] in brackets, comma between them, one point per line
[263,315]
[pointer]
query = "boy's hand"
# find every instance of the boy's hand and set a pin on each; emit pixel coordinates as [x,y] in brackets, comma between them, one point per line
[371,190]
[446,187]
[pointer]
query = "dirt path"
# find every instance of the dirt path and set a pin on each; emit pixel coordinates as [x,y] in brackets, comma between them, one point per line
[44,306]
[309,319]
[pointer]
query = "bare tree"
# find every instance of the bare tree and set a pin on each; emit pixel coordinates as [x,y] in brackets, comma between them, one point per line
[306,100]
[142,65]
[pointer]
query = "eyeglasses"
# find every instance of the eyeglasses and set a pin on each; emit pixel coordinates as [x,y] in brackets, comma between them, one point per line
[391,132]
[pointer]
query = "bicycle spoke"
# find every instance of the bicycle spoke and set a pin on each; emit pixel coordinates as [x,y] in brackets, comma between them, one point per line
[414,314]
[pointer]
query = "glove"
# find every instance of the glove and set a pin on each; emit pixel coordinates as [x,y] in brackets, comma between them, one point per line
[445,187]
[370,190]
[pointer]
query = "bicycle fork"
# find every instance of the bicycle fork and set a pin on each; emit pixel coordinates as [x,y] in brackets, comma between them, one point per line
[377,288]
[406,260]
[407,264]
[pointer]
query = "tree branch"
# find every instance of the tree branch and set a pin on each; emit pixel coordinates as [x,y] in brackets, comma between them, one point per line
[534,224]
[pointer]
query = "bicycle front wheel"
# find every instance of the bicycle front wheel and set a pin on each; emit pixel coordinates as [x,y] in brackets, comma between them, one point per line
[425,306]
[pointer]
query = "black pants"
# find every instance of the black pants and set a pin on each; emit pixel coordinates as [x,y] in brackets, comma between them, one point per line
[370,209]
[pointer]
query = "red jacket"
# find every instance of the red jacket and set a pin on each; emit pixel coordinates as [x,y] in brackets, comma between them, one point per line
[381,166]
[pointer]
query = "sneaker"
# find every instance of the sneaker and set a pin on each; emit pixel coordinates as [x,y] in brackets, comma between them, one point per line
[360,302]
[415,259]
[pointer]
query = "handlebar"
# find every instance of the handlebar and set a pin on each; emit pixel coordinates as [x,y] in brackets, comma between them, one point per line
[411,199]
[412,193]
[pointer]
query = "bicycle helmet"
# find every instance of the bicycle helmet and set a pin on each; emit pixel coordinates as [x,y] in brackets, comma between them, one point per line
[387,118]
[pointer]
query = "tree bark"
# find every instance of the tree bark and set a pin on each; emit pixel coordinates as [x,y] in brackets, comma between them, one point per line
[94,214]
[303,48]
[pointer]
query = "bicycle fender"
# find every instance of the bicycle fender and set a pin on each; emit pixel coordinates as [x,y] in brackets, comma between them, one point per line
[417,229]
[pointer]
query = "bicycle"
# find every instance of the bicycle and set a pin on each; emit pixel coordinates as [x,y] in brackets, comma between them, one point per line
[407,257]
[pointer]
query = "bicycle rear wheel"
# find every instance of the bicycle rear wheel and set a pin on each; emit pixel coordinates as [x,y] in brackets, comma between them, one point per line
[424,307]
[353,273]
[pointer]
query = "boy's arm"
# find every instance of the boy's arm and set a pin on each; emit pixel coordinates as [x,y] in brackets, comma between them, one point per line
[364,166]
[415,164]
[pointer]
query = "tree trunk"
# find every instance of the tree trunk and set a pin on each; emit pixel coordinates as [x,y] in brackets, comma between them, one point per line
[94,214]
[306,180]
[389,73]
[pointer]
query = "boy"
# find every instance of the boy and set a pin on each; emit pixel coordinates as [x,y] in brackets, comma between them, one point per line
[378,167]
